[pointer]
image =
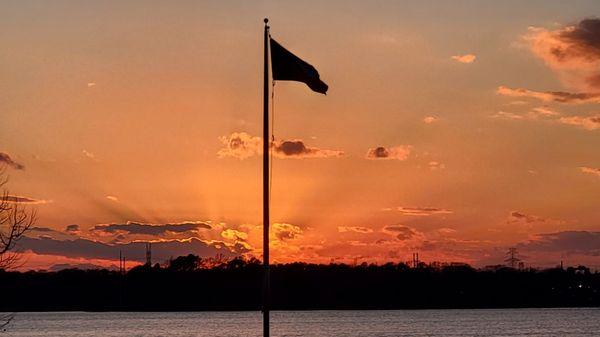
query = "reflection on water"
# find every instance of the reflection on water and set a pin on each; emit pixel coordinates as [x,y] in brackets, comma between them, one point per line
[492,322]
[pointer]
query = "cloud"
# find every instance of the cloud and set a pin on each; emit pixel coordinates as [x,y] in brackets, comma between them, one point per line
[435,165]
[534,114]
[5,159]
[112,198]
[590,170]
[88,154]
[573,52]
[422,211]
[400,152]
[402,232]
[446,231]
[242,145]
[430,119]
[72,229]
[519,217]
[133,251]
[550,96]
[583,242]
[150,229]
[585,122]
[285,231]
[42,229]
[91,84]
[235,235]
[356,229]
[467,58]
[507,115]
[544,111]
[297,149]
[23,200]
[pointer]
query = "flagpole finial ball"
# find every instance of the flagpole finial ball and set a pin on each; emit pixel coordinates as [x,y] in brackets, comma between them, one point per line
[266,20]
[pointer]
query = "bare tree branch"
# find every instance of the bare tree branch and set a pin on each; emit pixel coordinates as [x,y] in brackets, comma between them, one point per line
[15,221]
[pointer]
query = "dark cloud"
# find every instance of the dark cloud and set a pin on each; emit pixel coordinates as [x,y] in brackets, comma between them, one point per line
[42,229]
[577,42]
[400,152]
[516,216]
[573,53]
[72,228]
[133,251]
[81,266]
[401,232]
[242,145]
[581,242]
[151,229]
[5,159]
[297,149]
[378,152]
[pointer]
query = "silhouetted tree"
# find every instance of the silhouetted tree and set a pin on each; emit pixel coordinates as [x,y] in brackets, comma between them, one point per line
[186,284]
[186,263]
[15,220]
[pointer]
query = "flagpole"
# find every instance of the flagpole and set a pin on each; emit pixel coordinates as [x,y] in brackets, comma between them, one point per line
[266,221]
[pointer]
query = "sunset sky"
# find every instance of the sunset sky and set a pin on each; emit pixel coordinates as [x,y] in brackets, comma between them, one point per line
[456,129]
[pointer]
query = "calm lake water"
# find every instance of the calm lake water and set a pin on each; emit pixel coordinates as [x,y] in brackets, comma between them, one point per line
[492,322]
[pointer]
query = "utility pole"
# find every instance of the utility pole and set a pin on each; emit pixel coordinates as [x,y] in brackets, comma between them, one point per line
[512,257]
[149,254]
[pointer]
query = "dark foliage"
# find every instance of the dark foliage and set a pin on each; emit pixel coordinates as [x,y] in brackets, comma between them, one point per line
[188,283]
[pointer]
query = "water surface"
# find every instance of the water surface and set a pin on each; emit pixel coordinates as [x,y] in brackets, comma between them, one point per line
[489,322]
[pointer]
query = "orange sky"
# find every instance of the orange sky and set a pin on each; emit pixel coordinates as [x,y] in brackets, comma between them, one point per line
[455,129]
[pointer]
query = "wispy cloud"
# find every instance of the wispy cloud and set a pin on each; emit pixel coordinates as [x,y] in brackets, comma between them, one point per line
[355,229]
[585,122]
[88,154]
[420,211]
[436,165]
[550,96]
[430,119]
[467,58]
[507,115]
[23,200]
[590,170]
[112,198]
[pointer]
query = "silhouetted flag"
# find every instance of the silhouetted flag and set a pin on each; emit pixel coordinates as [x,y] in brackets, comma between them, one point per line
[289,67]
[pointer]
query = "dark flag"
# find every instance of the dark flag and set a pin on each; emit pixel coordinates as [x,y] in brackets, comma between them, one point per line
[289,67]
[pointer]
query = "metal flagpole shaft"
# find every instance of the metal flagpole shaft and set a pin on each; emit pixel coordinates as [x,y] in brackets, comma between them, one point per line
[266,221]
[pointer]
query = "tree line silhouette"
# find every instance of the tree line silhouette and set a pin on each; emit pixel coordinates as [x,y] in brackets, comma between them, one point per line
[190,283]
